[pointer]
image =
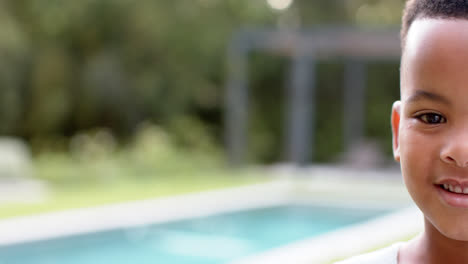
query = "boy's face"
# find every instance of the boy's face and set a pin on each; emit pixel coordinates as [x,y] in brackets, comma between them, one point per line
[430,123]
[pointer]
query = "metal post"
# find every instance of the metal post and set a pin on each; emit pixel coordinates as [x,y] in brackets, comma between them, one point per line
[300,116]
[236,101]
[354,102]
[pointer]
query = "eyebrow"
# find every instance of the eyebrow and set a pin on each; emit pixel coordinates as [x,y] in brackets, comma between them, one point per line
[421,95]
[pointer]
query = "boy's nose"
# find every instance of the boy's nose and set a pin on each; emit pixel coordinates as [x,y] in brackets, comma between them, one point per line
[456,153]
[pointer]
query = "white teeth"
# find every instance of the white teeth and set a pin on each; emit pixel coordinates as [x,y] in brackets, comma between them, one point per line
[465,190]
[455,189]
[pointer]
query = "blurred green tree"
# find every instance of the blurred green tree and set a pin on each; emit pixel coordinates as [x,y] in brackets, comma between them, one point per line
[73,65]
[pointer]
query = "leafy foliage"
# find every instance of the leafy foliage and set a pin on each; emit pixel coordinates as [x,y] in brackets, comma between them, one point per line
[70,66]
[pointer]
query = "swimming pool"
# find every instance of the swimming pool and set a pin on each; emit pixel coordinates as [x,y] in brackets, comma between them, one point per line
[212,239]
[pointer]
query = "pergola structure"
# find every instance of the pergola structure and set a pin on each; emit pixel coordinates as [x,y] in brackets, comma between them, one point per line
[356,45]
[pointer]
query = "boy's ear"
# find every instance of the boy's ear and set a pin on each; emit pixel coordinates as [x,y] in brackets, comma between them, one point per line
[396,112]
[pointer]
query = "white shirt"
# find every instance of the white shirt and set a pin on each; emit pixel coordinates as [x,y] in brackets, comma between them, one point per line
[388,255]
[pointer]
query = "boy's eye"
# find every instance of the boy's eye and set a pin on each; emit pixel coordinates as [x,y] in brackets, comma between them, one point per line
[432,118]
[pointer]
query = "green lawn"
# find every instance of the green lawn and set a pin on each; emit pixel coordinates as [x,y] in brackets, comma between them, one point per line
[67,197]
[95,173]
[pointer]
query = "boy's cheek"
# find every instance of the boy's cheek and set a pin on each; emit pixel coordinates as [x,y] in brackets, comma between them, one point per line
[408,146]
[406,141]
[415,149]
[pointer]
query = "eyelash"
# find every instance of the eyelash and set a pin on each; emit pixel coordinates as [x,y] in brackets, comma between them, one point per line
[426,118]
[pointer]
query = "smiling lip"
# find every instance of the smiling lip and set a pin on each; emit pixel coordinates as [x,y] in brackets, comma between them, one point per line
[453,192]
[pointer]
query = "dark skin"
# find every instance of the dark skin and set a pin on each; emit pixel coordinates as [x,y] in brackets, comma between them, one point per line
[430,138]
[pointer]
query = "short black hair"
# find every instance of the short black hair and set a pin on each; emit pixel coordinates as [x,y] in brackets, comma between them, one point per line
[417,9]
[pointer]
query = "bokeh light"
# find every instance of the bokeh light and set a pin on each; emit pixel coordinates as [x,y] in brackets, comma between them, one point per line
[279,4]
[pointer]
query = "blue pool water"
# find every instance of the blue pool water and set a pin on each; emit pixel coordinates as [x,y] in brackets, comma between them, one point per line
[208,240]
